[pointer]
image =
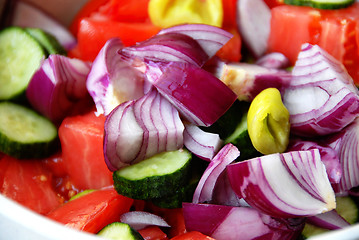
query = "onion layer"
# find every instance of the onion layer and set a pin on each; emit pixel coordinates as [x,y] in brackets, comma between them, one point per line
[284,185]
[138,129]
[322,98]
[58,85]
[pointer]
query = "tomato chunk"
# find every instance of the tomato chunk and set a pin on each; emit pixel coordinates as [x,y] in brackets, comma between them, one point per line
[93,211]
[153,233]
[29,183]
[81,140]
[336,31]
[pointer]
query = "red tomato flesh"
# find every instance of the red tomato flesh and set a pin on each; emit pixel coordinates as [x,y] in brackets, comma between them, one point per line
[81,140]
[336,31]
[29,183]
[93,211]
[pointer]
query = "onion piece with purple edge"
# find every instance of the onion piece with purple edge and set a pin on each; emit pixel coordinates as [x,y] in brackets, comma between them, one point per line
[330,220]
[248,80]
[139,220]
[287,185]
[26,14]
[169,47]
[210,38]
[138,129]
[58,85]
[194,92]
[274,60]
[328,155]
[207,183]
[322,98]
[253,20]
[112,79]
[346,145]
[203,144]
[245,223]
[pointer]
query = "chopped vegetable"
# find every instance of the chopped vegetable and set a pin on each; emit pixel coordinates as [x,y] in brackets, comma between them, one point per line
[139,220]
[169,13]
[322,4]
[119,231]
[268,122]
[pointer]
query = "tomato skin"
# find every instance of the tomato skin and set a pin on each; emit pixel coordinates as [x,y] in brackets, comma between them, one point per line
[274,3]
[193,235]
[335,31]
[93,211]
[81,140]
[89,8]
[126,10]
[94,33]
[29,183]
[231,51]
[153,233]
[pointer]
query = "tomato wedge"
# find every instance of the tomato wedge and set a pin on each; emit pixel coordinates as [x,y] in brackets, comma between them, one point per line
[29,183]
[93,211]
[153,233]
[81,140]
[336,31]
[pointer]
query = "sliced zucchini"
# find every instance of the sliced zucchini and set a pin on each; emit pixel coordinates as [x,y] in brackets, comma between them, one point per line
[48,41]
[156,177]
[321,4]
[24,133]
[119,231]
[346,207]
[20,56]
[240,138]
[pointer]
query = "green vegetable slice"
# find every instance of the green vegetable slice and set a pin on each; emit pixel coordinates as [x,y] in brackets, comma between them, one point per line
[119,231]
[321,4]
[20,56]
[156,177]
[48,41]
[24,133]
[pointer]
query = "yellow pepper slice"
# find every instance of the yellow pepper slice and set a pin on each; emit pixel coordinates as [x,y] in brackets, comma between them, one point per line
[268,122]
[167,13]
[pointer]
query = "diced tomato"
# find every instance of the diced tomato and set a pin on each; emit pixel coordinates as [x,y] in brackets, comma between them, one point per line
[335,31]
[94,33]
[87,10]
[93,211]
[82,151]
[193,235]
[126,10]
[231,51]
[153,233]
[29,183]
[230,13]
[274,3]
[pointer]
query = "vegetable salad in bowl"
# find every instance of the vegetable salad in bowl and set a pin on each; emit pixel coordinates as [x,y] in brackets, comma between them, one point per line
[158,119]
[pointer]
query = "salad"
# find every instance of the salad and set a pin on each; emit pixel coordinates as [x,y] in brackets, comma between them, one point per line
[153,119]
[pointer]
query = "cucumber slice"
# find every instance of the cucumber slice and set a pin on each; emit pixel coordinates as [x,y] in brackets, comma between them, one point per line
[240,138]
[346,207]
[83,193]
[119,231]
[20,56]
[48,41]
[321,4]
[24,133]
[156,177]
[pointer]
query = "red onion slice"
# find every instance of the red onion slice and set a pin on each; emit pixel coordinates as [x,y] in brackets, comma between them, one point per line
[253,19]
[284,185]
[113,80]
[207,183]
[322,98]
[27,15]
[328,155]
[58,85]
[169,47]
[140,219]
[138,129]
[248,80]
[330,220]
[203,144]
[194,92]
[346,145]
[245,223]
[210,38]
